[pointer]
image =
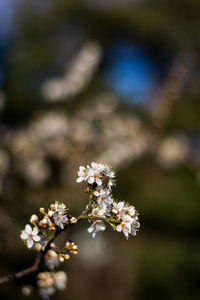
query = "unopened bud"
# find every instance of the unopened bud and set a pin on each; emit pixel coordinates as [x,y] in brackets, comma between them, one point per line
[52,206]
[34,219]
[44,221]
[73,220]
[42,210]
[61,258]
[67,245]
[53,245]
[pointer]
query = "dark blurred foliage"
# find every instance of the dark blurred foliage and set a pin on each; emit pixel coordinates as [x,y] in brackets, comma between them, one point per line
[132,101]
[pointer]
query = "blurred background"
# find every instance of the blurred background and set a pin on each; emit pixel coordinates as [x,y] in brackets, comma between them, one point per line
[114,81]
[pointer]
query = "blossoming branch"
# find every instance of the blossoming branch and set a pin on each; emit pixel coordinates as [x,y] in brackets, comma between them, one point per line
[102,209]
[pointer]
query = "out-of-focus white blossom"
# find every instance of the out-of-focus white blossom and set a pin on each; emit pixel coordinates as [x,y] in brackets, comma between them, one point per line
[173,150]
[51,259]
[27,290]
[60,280]
[77,75]
[48,282]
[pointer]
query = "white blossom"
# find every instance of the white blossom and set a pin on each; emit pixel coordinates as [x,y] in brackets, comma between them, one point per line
[60,219]
[95,173]
[82,174]
[51,259]
[100,191]
[98,212]
[60,280]
[60,207]
[96,227]
[110,176]
[105,201]
[131,210]
[117,207]
[125,227]
[134,228]
[46,292]
[30,236]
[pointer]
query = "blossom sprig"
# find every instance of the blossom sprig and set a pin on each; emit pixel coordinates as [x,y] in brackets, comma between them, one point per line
[45,229]
[102,207]
[40,234]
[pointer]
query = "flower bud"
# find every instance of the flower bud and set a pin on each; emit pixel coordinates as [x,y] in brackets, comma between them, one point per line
[34,219]
[61,258]
[42,210]
[52,206]
[73,220]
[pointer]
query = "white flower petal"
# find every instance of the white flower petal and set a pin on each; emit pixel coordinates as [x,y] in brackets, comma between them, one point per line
[94,234]
[94,165]
[96,193]
[37,238]
[91,180]
[29,243]
[28,229]
[79,179]
[24,235]
[119,228]
[100,227]
[90,173]
[82,168]
[35,231]
[98,181]
[90,229]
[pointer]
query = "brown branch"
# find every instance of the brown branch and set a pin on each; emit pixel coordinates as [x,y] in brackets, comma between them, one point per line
[18,275]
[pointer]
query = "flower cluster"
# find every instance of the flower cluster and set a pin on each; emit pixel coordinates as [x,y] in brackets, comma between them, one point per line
[49,282]
[55,218]
[102,206]
[96,175]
